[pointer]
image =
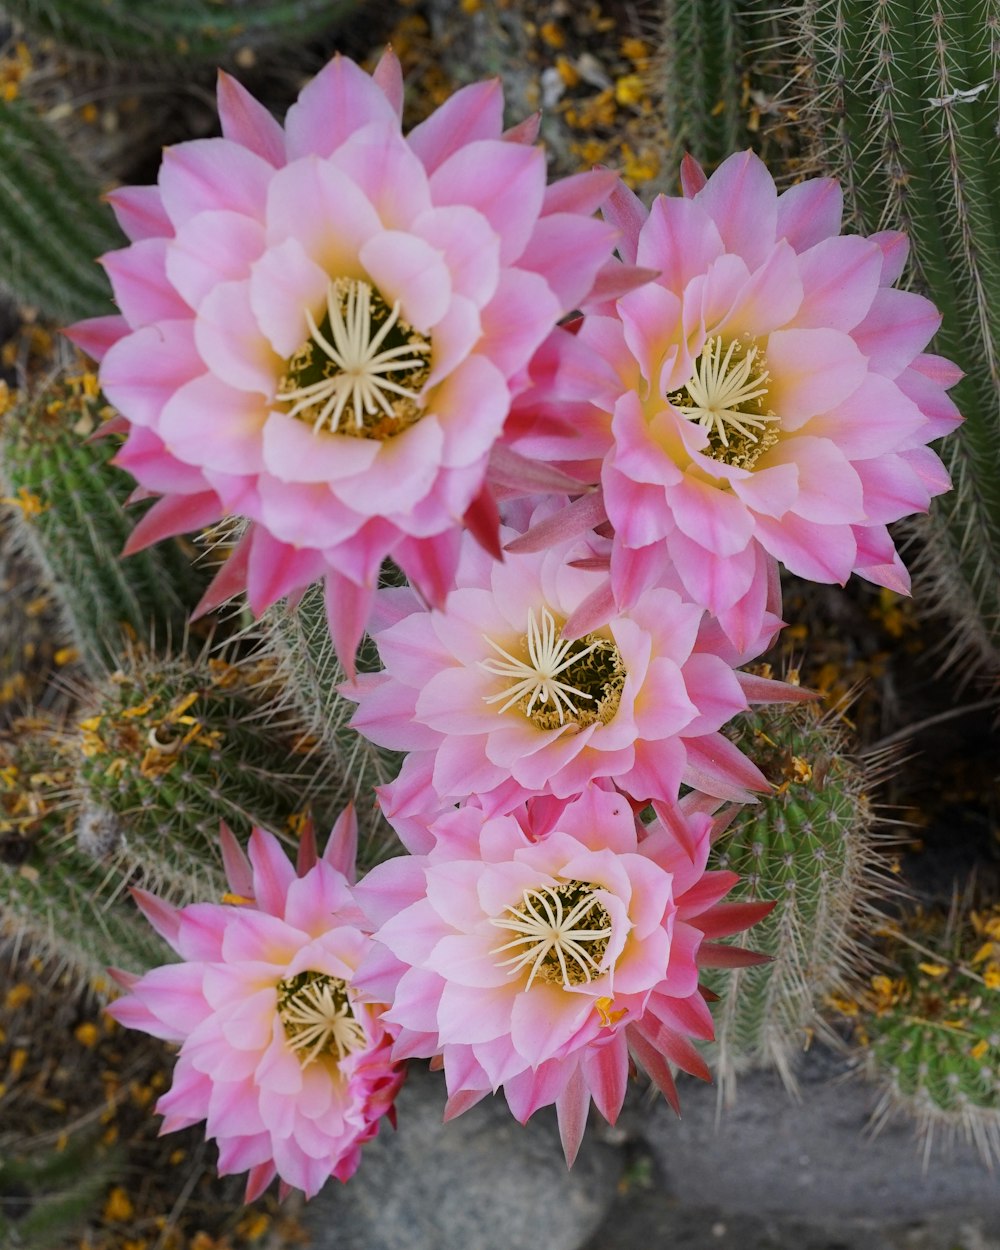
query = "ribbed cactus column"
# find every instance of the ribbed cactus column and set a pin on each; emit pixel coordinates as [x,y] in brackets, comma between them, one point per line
[809,846]
[66,506]
[192,30]
[901,100]
[931,1028]
[52,222]
[299,640]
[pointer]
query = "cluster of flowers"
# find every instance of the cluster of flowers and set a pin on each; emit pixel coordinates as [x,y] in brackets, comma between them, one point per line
[357,341]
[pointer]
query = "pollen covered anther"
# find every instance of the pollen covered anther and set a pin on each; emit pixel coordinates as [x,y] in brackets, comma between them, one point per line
[727,396]
[362,369]
[562,934]
[317,1017]
[557,674]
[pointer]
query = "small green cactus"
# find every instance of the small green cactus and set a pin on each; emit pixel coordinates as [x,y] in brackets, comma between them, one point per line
[299,640]
[67,502]
[904,113]
[809,846]
[63,903]
[189,30]
[931,1032]
[168,749]
[52,222]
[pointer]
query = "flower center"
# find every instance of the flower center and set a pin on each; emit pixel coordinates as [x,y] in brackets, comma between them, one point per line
[362,368]
[557,674]
[562,932]
[317,1016]
[727,395]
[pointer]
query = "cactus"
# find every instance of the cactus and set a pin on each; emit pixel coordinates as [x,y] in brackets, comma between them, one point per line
[709,78]
[810,847]
[52,223]
[56,898]
[168,749]
[299,641]
[903,112]
[931,1033]
[52,1194]
[67,503]
[195,30]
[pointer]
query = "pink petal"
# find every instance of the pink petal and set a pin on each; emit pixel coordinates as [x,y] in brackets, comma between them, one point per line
[473,112]
[771,490]
[273,872]
[388,75]
[572,1106]
[342,845]
[379,161]
[899,326]
[140,212]
[208,423]
[230,580]
[407,269]
[829,487]
[284,283]
[741,200]
[717,582]
[627,213]
[693,177]
[771,298]
[139,280]
[206,174]
[180,514]
[231,343]
[823,553]
[878,561]
[809,212]
[875,419]
[275,570]
[97,335]
[715,766]
[430,564]
[347,609]
[568,250]
[504,181]
[895,247]
[840,278]
[679,239]
[711,517]
[340,100]
[469,246]
[517,319]
[212,248]
[811,372]
[247,122]
[319,205]
[142,370]
[580,193]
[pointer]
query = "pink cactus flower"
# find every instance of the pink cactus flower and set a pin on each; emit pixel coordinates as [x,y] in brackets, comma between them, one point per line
[540,951]
[499,695]
[323,325]
[287,1065]
[768,391]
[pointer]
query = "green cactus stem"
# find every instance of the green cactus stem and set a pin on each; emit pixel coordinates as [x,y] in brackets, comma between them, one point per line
[66,504]
[901,101]
[187,30]
[52,223]
[930,1031]
[810,847]
[299,641]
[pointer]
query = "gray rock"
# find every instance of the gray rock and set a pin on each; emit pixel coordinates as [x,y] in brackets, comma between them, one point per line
[478,1183]
[811,1159]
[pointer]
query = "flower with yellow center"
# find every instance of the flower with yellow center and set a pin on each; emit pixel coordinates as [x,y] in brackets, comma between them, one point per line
[317,1015]
[562,934]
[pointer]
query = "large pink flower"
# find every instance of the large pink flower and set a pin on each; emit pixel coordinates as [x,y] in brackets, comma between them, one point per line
[492,698]
[288,1067]
[323,325]
[538,951]
[768,391]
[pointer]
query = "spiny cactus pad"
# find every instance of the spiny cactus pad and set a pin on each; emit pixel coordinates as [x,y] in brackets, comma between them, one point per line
[809,847]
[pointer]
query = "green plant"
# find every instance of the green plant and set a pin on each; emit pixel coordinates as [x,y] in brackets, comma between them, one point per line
[190,30]
[809,847]
[900,103]
[67,510]
[52,223]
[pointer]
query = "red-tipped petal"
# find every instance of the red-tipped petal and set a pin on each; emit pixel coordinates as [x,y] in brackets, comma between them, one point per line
[230,580]
[655,1066]
[347,608]
[162,916]
[692,176]
[767,690]
[726,918]
[307,856]
[572,1107]
[576,518]
[172,515]
[717,955]
[239,874]
[342,846]
[482,518]
[388,74]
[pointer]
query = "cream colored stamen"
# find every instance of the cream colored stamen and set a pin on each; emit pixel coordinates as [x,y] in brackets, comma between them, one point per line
[317,1016]
[555,925]
[355,367]
[727,390]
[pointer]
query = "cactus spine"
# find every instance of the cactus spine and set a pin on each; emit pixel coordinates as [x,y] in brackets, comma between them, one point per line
[52,223]
[194,30]
[299,641]
[901,101]
[931,1032]
[68,503]
[809,846]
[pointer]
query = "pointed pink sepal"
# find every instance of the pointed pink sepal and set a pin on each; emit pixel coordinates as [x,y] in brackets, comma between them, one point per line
[341,851]
[237,867]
